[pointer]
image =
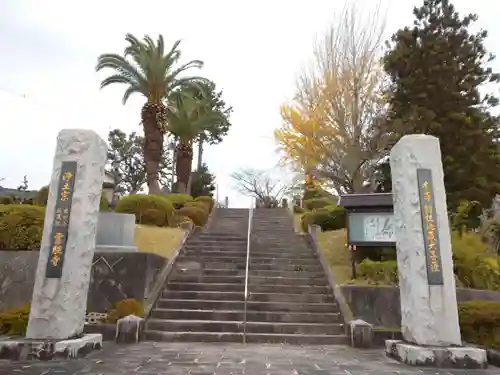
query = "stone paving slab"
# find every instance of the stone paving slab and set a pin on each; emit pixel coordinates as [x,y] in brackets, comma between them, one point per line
[227,359]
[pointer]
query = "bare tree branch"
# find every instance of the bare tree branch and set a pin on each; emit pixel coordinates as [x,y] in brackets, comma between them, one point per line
[260,185]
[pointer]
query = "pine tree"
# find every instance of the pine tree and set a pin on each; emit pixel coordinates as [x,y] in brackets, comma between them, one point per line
[437,68]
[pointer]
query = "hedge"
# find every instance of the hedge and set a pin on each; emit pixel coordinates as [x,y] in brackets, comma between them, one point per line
[206,199]
[139,204]
[315,203]
[196,214]
[199,204]
[178,200]
[331,217]
[480,322]
[21,227]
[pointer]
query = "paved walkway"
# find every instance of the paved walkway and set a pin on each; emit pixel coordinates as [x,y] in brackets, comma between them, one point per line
[207,359]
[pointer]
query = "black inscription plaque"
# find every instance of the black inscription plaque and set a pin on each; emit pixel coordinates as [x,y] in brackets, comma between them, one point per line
[429,227]
[60,225]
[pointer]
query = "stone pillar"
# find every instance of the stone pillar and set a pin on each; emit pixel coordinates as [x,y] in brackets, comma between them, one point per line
[62,277]
[429,313]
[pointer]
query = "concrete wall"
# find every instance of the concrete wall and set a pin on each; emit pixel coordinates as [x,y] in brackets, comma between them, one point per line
[380,305]
[115,276]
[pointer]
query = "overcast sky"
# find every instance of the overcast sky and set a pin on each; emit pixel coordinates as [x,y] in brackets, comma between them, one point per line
[251,49]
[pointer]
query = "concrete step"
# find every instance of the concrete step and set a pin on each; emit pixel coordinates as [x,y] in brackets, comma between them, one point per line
[288,281]
[290,298]
[192,304]
[161,336]
[217,243]
[254,316]
[220,236]
[284,267]
[211,272]
[215,287]
[173,325]
[188,278]
[296,339]
[237,337]
[204,295]
[287,274]
[285,261]
[222,287]
[206,259]
[254,254]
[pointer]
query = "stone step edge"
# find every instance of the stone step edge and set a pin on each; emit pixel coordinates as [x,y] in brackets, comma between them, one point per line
[238,292]
[160,309]
[255,323]
[309,304]
[249,284]
[222,334]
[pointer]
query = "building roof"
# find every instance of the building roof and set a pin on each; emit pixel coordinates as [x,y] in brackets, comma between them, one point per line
[366,200]
[5,192]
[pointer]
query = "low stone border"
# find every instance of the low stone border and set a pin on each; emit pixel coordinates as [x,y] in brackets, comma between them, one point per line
[107,330]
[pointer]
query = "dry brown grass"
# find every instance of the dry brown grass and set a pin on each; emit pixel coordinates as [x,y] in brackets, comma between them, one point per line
[156,240]
[332,244]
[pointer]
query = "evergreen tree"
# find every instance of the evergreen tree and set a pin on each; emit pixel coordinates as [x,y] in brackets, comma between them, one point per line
[437,68]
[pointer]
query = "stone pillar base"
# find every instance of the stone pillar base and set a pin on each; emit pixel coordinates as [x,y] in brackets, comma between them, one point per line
[433,356]
[26,349]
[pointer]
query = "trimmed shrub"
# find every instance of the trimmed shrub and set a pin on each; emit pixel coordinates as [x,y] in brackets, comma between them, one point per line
[140,203]
[14,322]
[480,322]
[196,214]
[202,205]
[298,210]
[178,200]
[378,272]
[21,227]
[42,196]
[315,203]
[331,217]
[125,308]
[154,217]
[206,199]
[103,204]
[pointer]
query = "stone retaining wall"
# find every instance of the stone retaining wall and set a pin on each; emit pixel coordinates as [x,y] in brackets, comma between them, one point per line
[115,276]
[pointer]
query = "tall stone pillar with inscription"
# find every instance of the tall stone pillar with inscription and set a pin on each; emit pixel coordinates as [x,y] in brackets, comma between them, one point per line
[62,277]
[429,316]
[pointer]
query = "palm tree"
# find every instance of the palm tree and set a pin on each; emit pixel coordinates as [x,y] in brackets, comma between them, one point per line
[190,114]
[147,69]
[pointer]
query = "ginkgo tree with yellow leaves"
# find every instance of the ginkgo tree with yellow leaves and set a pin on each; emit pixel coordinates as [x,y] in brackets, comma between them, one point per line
[334,126]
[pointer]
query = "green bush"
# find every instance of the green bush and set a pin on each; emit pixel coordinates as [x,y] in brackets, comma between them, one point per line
[178,200]
[103,204]
[125,308]
[14,322]
[331,217]
[480,322]
[196,214]
[206,199]
[315,203]
[6,200]
[42,196]
[199,204]
[298,210]
[21,227]
[155,217]
[140,203]
[474,266]
[378,272]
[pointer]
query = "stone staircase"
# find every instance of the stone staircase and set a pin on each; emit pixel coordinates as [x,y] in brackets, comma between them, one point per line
[289,297]
[290,300]
[204,298]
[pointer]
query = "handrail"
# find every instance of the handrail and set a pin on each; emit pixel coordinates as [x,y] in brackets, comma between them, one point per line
[250,217]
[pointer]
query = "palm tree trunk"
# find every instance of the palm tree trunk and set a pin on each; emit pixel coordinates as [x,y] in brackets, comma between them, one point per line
[200,152]
[153,144]
[184,162]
